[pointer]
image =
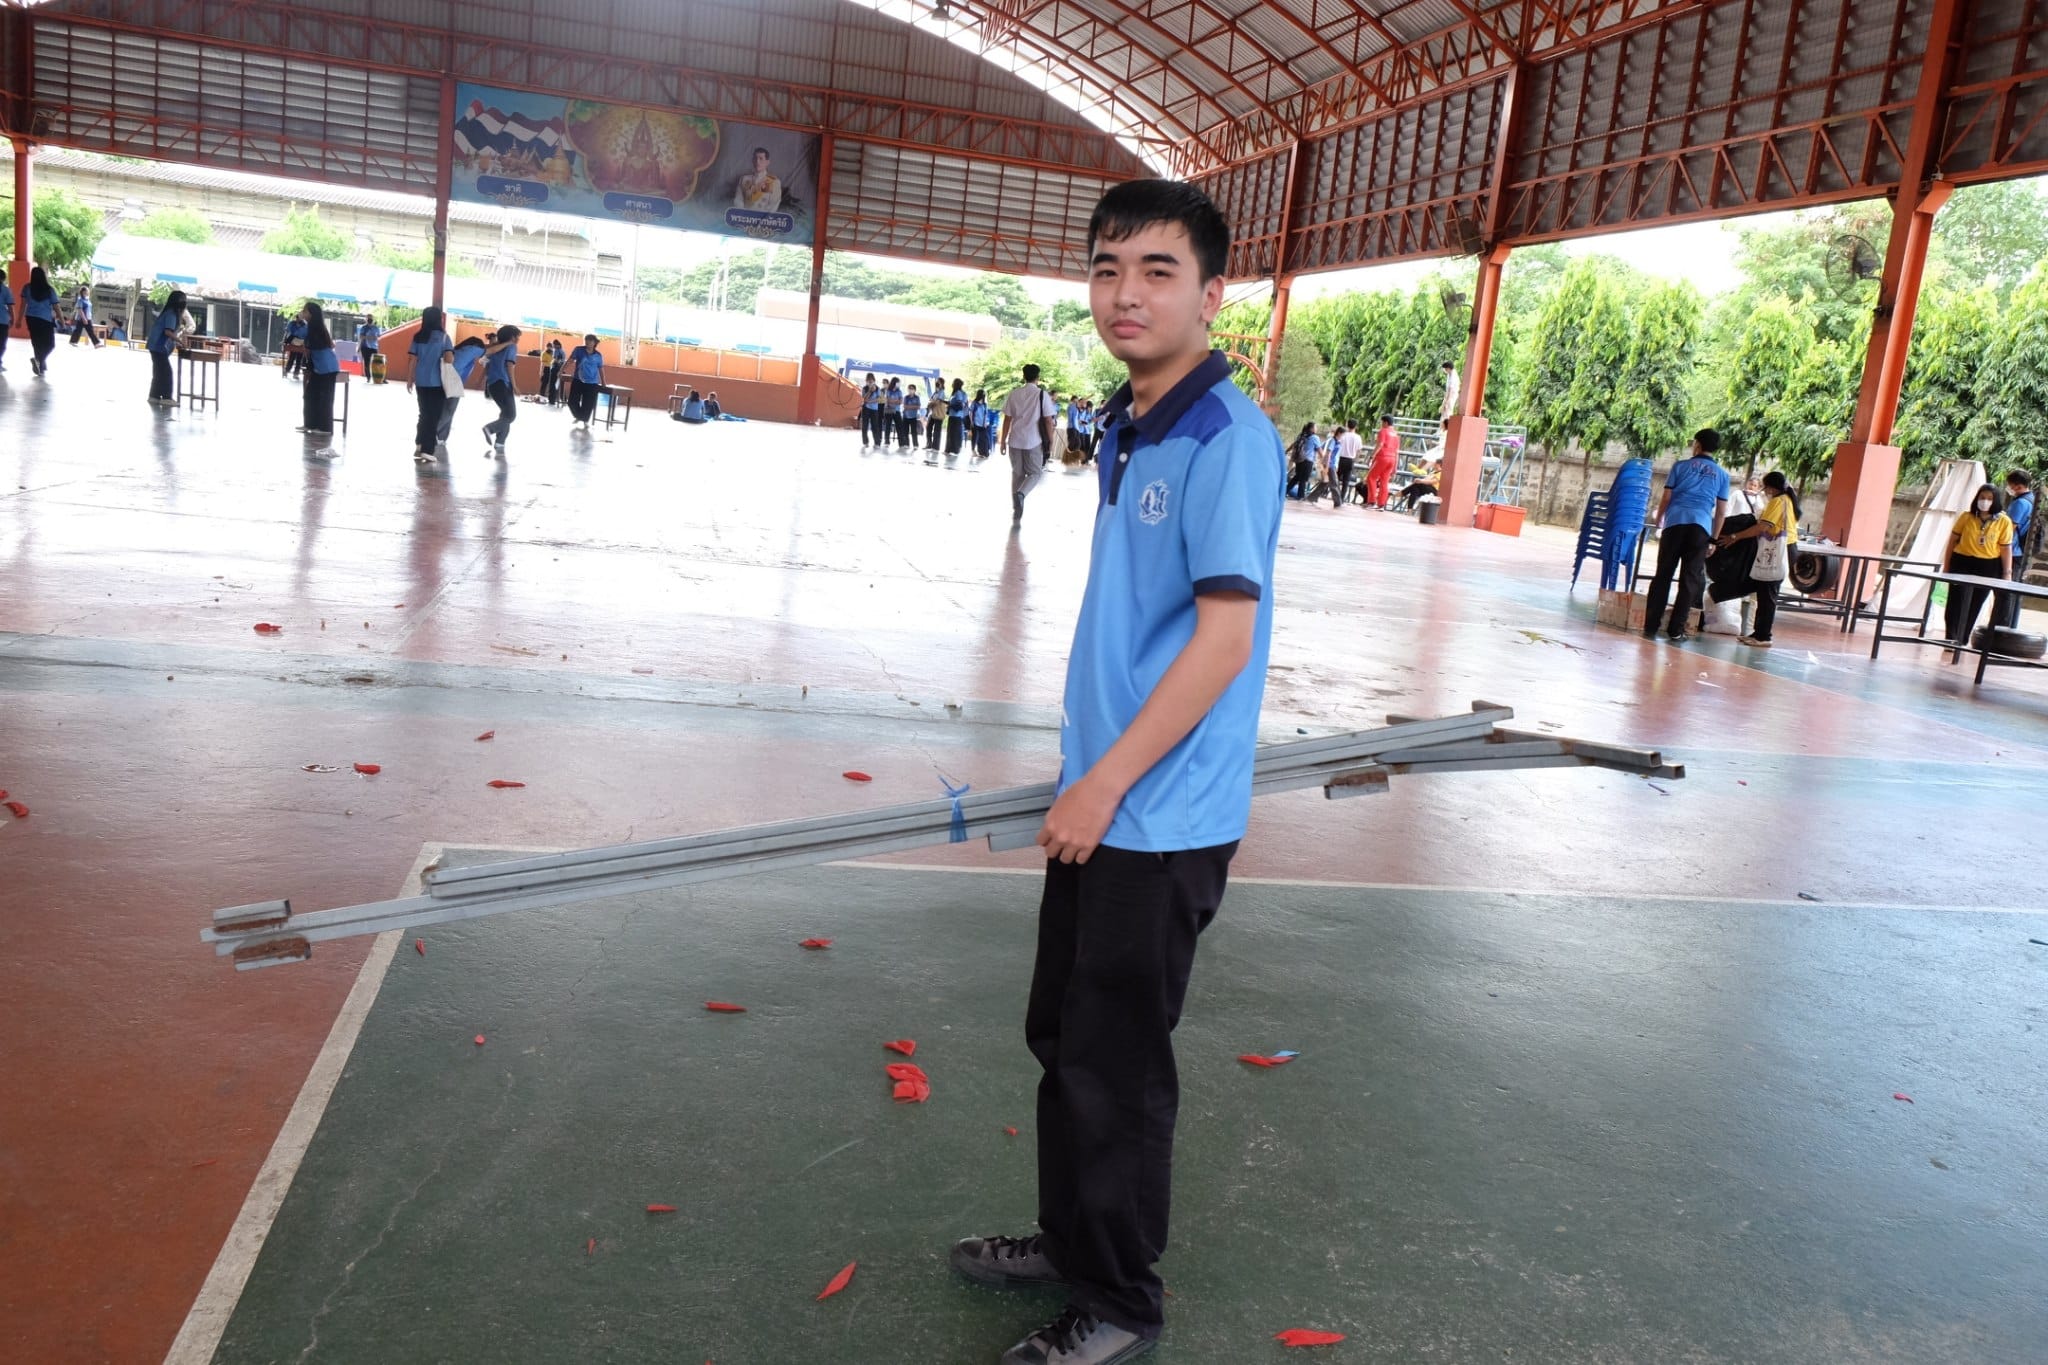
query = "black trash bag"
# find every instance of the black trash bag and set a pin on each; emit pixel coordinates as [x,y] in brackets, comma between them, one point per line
[1728,567]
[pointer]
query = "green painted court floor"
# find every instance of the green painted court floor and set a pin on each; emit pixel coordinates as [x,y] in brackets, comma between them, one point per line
[1522,1128]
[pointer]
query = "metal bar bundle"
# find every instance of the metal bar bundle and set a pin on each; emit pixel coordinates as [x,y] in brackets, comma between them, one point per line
[1354,764]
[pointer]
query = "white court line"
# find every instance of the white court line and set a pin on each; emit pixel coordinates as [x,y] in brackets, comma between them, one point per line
[200,1335]
[1678,897]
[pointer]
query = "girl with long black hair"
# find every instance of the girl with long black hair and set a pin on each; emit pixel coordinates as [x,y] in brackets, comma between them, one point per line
[39,309]
[163,339]
[323,370]
[428,346]
[1777,527]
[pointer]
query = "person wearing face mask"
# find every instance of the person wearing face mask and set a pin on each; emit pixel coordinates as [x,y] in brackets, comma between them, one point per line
[2019,510]
[1776,530]
[1980,546]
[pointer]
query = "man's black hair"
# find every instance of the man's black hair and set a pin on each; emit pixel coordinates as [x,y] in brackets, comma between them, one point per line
[2019,477]
[1449,366]
[1386,419]
[1131,207]
[1709,439]
[763,151]
[1031,374]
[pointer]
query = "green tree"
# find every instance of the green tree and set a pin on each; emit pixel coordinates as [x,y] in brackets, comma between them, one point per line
[1372,333]
[304,234]
[1993,234]
[1103,374]
[1000,368]
[1768,349]
[1576,347]
[1812,415]
[1071,315]
[175,224]
[1301,388]
[67,229]
[1802,262]
[422,260]
[2015,392]
[1946,379]
[1652,404]
[1000,296]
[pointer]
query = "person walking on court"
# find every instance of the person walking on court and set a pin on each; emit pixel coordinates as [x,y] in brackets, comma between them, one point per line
[1386,457]
[550,372]
[1028,413]
[323,371]
[163,339]
[499,358]
[984,425]
[39,311]
[913,417]
[935,413]
[1349,446]
[870,414]
[430,347]
[295,345]
[1158,734]
[81,318]
[1980,545]
[467,355]
[1695,504]
[956,417]
[586,377]
[367,337]
[6,317]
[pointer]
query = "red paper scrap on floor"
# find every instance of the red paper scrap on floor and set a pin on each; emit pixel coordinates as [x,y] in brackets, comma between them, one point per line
[905,1071]
[721,1007]
[1011,1131]
[1302,1336]
[265,628]
[479,1040]
[419,947]
[856,777]
[661,1208]
[488,734]
[839,1281]
[906,1046]
[590,1247]
[369,769]
[1257,1060]
[208,1162]
[20,811]
[1897,1096]
[815,943]
[501,784]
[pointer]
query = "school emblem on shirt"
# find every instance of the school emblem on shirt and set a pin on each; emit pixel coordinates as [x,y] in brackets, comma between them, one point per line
[1152,503]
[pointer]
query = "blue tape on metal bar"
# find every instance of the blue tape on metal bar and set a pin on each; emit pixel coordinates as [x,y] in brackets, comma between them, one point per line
[959,835]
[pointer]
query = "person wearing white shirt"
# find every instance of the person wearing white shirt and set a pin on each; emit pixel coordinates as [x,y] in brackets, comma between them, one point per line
[1450,391]
[1024,438]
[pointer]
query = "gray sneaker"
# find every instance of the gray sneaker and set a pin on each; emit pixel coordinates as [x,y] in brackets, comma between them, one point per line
[1076,1337]
[1006,1262]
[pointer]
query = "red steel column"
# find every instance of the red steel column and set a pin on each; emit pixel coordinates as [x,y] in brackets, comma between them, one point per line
[1283,282]
[810,374]
[444,179]
[1866,470]
[24,234]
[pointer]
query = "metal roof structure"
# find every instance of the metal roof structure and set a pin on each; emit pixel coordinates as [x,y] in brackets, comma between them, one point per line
[1334,132]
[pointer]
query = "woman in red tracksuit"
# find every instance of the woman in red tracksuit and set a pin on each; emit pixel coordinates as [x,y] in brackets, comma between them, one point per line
[1386,455]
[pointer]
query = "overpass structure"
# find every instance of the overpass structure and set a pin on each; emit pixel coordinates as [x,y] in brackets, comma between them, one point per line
[1334,133]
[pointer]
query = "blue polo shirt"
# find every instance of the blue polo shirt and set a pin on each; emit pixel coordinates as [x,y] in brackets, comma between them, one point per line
[44,307]
[323,361]
[162,337]
[498,367]
[1190,498]
[427,350]
[589,365]
[1695,485]
[465,358]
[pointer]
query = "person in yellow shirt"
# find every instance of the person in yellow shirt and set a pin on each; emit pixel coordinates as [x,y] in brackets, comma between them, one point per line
[1980,545]
[1777,526]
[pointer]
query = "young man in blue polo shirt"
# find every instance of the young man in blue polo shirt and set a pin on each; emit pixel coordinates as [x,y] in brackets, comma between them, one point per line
[1164,683]
[1694,506]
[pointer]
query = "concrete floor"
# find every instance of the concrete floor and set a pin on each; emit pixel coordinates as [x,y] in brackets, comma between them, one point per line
[673,630]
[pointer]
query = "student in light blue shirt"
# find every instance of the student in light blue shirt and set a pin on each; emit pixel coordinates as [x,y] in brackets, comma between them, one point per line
[6,316]
[467,357]
[81,318]
[984,418]
[367,337]
[429,344]
[586,377]
[1694,506]
[295,345]
[1157,739]
[693,410]
[870,413]
[499,358]
[39,311]
[163,339]
[913,415]
[323,371]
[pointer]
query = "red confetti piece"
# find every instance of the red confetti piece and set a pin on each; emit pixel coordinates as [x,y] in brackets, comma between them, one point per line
[813,943]
[488,734]
[905,1071]
[590,1247]
[1897,1095]
[369,769]
[912,1092]
[839,1281]
[419,946]
[661,1208]
[20,811]
[265,628]
[906,1046]
[1302,1336]
[479,1040]
[856,777]
[208,1162]
[501,784]
[1257,1060]
[3,795]
[721,1007]
[1011,1131]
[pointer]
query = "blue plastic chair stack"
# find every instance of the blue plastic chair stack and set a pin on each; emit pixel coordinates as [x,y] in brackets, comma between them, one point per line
[1593,528]
[1628,508]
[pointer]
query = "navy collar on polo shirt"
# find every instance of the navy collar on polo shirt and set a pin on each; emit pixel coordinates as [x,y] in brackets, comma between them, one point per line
[1159,419]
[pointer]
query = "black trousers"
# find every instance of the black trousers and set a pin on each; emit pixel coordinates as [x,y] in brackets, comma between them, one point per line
[870,428]
[1116,943]
[548,375]
[1766,608]
[294,363]
[956,430]
[1681,550]
[83,328]
[319,402]
[431,403]
[1964,603]
[42,338]
[508,412]
[161,384]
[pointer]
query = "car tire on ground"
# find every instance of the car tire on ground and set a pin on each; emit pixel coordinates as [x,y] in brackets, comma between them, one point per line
[2013,644]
